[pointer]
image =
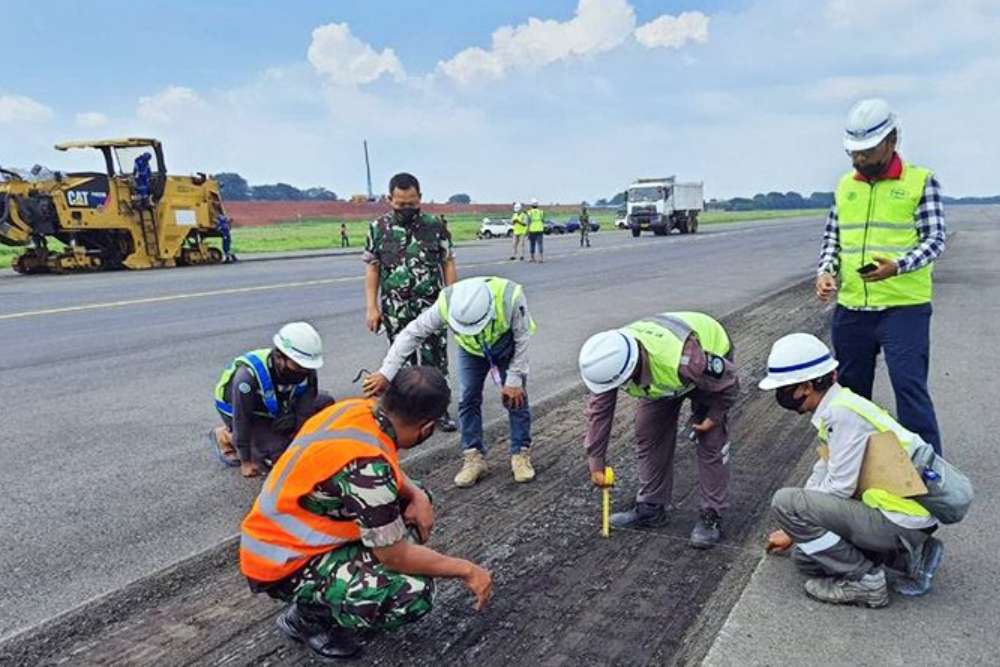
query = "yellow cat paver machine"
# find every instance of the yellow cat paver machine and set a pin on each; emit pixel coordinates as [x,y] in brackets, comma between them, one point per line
[132,215]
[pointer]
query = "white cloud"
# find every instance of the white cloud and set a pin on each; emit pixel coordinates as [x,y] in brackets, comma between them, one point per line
[21,109]
[597,26]
[673,31]
[344,59]
[91,119]
[167,105]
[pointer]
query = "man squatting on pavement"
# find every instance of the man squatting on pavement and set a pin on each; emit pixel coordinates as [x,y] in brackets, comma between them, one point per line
[662,360]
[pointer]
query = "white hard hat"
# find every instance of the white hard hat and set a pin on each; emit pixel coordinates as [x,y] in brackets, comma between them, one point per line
[796,358]
[608,359]
[868,123]
[301,343]
[534,202]
[470,308]
[517,207]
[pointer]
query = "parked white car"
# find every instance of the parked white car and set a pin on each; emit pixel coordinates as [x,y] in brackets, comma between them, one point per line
[494,227]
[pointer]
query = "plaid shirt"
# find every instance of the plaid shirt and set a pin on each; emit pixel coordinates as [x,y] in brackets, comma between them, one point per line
[929,221]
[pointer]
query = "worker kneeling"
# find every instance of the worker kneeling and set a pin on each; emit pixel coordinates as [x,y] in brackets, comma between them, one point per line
[490,320]
[662,360]
[848,544]
[265,395]
[335,529]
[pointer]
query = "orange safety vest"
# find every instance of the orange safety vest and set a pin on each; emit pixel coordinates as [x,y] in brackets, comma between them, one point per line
[278,535]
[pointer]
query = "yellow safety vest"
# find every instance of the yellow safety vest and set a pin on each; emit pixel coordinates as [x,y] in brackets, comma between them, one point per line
[877,219]
[882,421]
[663,337]
[536,220]
[520,222]
[505,292]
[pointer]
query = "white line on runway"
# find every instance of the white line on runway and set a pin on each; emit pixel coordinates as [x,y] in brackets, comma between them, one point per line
[311,283]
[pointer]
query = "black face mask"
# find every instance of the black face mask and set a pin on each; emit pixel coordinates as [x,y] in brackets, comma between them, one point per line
[407,215]
[786,398]
[287,376]
[871,171]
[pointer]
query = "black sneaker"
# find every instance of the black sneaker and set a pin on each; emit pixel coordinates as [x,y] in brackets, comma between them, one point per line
[324,638]
[642,515]
[706,533]
[447,424]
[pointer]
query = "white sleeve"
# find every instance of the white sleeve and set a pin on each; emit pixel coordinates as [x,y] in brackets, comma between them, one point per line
[815,480]
[848,438]
[409,339]
[519,324]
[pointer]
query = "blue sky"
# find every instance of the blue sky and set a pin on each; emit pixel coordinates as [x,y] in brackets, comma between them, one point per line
[560,100]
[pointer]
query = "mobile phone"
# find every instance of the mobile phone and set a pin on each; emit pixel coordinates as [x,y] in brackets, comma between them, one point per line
[867,268]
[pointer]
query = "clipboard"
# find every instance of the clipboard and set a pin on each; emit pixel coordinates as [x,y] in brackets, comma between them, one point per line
[886,466]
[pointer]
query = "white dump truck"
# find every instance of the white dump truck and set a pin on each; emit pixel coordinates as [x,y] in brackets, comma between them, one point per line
[661,205]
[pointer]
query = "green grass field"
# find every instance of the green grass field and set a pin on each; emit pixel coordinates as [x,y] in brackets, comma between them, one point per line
[325,234]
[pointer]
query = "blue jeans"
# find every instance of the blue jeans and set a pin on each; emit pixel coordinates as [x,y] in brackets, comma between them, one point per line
[472,373]
[537,239]
[903,335]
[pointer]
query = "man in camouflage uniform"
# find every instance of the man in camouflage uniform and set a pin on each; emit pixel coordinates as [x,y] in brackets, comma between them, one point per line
[409,260]
[584,226]
[386,578]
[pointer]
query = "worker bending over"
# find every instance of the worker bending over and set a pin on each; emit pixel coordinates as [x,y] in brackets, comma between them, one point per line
[265,395]
[337,528]
[662,360]
[491,324]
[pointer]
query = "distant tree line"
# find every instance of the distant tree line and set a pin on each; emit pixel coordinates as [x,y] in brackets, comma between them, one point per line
[235,188]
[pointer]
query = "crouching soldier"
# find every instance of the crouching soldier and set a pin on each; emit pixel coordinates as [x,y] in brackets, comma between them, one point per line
[265,395]
[337,529]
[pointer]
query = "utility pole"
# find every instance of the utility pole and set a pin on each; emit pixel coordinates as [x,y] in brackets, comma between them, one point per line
[368,172]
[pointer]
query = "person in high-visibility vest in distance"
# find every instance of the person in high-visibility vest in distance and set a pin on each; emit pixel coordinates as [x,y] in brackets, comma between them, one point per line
[338,528]
[536,231]
[519,228]
[883,234]
[845,544]
[663,360]
[490,321]
[263,397]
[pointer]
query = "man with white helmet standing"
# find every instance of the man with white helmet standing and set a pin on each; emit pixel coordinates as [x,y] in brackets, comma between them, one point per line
[844,543]
[491,324]
[265,395]
[536,231]
[883,234]
[519,224]
[662,360]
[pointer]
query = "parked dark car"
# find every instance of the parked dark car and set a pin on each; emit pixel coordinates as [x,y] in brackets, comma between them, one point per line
[554,227]
[573,225]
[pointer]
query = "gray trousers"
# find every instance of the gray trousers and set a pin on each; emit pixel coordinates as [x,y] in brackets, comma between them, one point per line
[843,537]
[656,440]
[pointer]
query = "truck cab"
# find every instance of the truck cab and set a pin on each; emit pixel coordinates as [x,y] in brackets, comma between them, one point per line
[661,205]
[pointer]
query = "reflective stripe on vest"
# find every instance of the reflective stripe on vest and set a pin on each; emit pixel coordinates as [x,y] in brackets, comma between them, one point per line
[663,337]
[278,535]
[256,361]
[877,219]
[505,293]
[882,422]
[536,220]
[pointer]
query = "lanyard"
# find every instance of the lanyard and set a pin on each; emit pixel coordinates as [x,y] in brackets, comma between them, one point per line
[488,353]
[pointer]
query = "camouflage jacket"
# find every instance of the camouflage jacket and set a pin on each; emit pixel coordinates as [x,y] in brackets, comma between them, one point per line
[410,257]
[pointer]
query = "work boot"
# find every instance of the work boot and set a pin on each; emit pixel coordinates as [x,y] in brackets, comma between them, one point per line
[446,423]
[922,572]
[512,258]
[642,515]
[870,590]
[706,533]
[473,468]
[520,464]
[322,636]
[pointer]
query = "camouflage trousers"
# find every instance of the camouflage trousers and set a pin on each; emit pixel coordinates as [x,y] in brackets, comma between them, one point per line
[358,591]
[433,351]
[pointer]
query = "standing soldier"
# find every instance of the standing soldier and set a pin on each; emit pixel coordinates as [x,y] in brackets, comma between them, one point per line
[345,242]
[661,360]
[409,260]
[883,234]
[584,225]
[536,231]
[519,222]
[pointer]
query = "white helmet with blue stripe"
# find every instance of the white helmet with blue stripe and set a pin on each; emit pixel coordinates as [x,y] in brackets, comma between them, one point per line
[301,343]
[608,359]
[797,358]
[868,123]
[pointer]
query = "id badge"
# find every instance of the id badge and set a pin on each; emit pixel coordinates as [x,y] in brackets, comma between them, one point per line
[495,376]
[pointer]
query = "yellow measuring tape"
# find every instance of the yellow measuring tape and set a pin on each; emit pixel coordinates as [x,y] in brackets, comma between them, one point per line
[609,479]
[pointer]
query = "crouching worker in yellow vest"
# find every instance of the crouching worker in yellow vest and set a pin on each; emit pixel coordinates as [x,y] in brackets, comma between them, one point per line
[845,543]
[338,528]
[265,395]
[491,324]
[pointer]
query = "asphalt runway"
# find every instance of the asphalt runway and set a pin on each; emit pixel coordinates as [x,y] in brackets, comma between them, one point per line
[107,381]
